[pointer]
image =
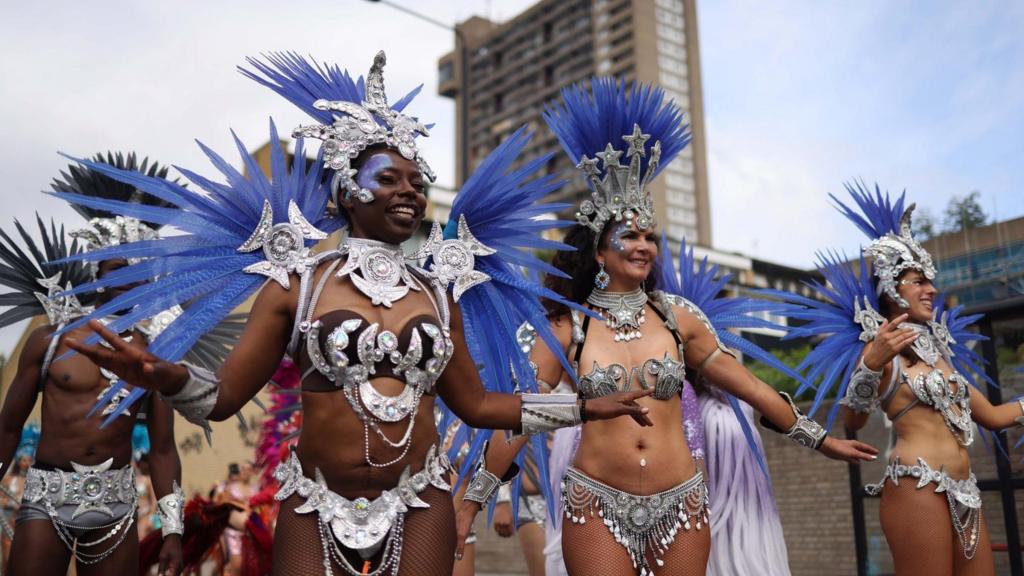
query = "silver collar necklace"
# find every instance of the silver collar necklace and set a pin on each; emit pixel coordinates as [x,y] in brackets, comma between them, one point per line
[929,346]
[377,269]
[625,312]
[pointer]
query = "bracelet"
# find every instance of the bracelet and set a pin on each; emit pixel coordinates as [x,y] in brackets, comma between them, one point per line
[862,391]
[1020,419]
[546,412]
[171,509]
[197,397]
[805,432]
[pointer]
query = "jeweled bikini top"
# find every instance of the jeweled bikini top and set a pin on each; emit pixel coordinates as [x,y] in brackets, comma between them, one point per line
[668,373]
[345,349]
[947,395]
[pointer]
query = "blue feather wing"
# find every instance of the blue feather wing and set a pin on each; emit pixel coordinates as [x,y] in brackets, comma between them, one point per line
[202,269]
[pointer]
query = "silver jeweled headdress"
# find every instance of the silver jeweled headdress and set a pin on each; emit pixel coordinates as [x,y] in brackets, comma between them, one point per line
[893,253]
[358,127]
[621,192]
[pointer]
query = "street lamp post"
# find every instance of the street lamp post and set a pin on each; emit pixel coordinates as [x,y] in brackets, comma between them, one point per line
[463,49]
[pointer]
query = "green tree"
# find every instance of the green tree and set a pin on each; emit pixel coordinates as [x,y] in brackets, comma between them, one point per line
[790,357]
[965,213]
[925,225]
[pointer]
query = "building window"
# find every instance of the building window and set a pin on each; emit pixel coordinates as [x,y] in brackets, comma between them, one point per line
[670,34]
[672,49]
[666,17]
[670,5]
[671,64]
[672,80]
[445,72]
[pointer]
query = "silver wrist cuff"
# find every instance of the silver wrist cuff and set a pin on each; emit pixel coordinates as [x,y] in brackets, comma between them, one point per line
[805,432]
[482,486]
[862,391]
[546,412]
[1020,419]
[197,397]
[172,512]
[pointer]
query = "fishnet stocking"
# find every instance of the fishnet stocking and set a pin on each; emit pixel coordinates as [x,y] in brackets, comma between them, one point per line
[590,549]
[429,536]
[920,534]
[428,546]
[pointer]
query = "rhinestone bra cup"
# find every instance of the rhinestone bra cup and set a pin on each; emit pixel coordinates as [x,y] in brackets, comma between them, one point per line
[668,378]
[378,354]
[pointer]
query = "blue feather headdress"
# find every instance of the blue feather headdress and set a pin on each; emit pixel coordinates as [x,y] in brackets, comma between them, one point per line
[232,233]
[605,119]
[352,115]
[893,248]
[698,288]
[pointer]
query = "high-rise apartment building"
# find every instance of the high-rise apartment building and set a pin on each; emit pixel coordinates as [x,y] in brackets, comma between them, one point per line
[517,66]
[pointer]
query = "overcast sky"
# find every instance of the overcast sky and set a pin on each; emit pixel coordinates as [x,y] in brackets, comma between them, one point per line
[799,97]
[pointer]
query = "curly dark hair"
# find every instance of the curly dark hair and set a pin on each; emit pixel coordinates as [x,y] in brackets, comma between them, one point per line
[581,265]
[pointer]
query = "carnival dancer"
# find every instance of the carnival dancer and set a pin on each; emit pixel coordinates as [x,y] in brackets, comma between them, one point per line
[891,344]
[635,501]
[80,498]
[376,337]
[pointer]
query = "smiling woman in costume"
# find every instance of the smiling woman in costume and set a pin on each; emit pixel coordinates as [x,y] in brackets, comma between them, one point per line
[376,338]
[635,500]
[890,344]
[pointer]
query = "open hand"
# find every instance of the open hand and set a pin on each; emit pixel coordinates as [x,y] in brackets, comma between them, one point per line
[464,518]
[852,451]
[131,363]
[171,562]
[890,341]
[620,404]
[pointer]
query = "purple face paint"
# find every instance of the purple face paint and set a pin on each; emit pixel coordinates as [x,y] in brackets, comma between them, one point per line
[374,165]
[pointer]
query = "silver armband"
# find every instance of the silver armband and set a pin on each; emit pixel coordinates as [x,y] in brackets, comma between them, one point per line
[546,412]
[197,397]
[172,512]
[862,391]
[805,432]
[1020,419]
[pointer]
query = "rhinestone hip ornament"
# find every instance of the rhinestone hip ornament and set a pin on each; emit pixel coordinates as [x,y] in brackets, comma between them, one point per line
[602,279]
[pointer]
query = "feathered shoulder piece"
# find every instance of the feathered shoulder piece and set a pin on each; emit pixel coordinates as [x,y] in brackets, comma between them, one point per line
[351,115]
[484,253]
[236,234]
[843,316]
[36,272]
[698,288]
[604,119]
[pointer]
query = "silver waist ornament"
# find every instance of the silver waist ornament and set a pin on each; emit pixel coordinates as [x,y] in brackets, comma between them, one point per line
[362,524]
[963,497]
[641,524]
[625,312]
[92,489]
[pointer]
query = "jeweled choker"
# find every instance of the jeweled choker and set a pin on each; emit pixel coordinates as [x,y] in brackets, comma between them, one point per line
[625,311]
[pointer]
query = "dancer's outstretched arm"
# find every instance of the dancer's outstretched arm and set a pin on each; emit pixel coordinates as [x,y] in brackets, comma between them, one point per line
[704,354]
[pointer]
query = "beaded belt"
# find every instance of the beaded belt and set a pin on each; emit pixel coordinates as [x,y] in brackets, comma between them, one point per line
[963,497]
[639,523]
[92,489]
[362,524]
